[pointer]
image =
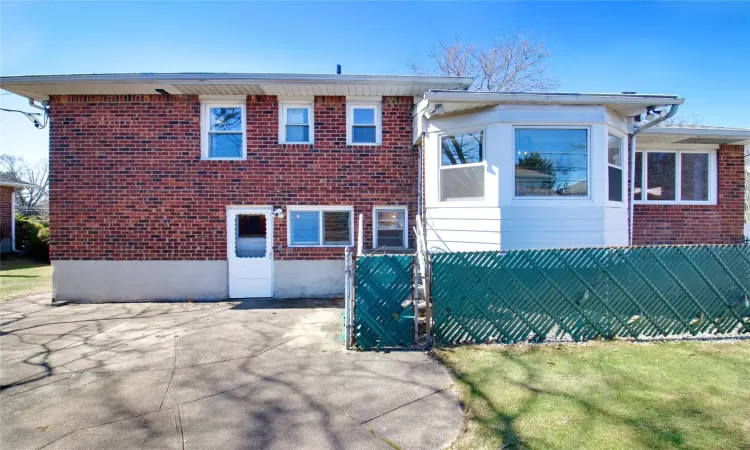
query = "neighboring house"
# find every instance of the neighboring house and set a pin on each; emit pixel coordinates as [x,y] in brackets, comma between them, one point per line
[174,186]
[8,189]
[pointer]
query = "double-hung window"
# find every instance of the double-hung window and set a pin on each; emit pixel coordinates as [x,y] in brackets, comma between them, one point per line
[364,123]
[320,226]
[551,162]
[670,176]
[223,130]
[462,166]
[614,168]
[390,227]
[296,124]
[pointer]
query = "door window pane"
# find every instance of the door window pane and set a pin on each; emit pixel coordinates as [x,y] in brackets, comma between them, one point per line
[551,162]
[694,176]
[225,145]
[305,227]
[250,236]
[638,176]
[390,228]
[660,172]
[336,227]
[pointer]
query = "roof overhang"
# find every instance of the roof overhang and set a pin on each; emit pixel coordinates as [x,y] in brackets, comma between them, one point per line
[694,134]
[41,87]
[627,105]
[16,184]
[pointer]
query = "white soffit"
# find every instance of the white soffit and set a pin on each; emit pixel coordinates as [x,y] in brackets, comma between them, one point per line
[42,86]
[626,105]
[694,134]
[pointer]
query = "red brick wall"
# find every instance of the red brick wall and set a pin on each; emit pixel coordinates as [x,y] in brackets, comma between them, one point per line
[697,224]
[128,183]
[6,212]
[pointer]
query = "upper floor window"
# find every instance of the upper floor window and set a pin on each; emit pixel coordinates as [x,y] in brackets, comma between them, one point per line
[551,162]
[462,166]
[363,123]
[296,123]
[614,167]
[223,130]
[675,176]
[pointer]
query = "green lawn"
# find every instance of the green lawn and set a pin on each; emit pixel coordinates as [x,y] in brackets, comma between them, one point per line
[604,395]
[19,278]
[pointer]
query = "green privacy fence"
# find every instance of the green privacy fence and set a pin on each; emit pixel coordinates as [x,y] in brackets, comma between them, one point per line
[535,295]
[384,307]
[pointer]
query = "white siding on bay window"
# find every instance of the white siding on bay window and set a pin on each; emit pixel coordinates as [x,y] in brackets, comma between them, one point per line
[504,221]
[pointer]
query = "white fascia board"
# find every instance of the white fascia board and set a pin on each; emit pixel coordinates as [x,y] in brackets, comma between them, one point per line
[16,184]
[562,98]
[728,133]
[231,78]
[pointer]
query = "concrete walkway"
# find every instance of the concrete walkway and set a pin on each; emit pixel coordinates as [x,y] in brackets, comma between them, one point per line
[255,374]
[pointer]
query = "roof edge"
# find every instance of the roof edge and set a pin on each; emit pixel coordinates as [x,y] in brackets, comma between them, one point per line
[549,97]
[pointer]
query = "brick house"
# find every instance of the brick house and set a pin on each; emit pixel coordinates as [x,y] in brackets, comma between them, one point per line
[8,189]
[174,186]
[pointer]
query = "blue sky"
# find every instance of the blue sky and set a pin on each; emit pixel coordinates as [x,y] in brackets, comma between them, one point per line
[698,50]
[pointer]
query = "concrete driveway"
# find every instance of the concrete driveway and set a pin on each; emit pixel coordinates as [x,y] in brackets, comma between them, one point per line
[255,374]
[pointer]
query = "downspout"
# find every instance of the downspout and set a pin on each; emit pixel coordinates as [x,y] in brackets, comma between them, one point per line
[631,152]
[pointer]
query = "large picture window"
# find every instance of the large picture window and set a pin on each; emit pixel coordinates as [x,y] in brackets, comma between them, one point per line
[462,166]
[674,176]
[320,226]
[551,162]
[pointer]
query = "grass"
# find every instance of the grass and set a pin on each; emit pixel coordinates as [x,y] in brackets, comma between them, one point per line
[19,278]
[604,395]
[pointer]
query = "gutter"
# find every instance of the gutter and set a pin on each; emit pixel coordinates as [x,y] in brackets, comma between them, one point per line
[438,96]
[231,78]
[631,153]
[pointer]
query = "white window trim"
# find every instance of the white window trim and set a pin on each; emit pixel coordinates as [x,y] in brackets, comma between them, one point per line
[286,104]
[712,178]
[206,106]
[375,210]
[563,198]
[378,107]
[441,167]
[622,167]
[320,209]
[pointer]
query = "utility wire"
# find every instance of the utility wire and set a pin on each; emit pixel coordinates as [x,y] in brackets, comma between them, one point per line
[31,116]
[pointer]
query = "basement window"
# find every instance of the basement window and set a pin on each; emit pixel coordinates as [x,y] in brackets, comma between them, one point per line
[320,226]
[390,227]
[223,130]
[675,177]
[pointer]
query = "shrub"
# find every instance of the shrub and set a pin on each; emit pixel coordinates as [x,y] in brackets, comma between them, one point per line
[32,238]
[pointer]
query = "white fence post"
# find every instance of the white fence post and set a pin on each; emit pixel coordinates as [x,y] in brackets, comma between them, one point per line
[360,233]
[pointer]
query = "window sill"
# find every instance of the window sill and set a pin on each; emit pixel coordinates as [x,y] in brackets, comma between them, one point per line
[320,246]
[675,203]
[363,144]
[242,158]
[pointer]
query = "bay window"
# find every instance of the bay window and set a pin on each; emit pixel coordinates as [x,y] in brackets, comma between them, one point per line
[614,167]
[462,166]
[320,226]
[675,176]
[551,162]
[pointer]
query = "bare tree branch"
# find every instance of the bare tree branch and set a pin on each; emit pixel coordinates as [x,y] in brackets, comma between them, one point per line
[15,168]
[694,119]
[511,63]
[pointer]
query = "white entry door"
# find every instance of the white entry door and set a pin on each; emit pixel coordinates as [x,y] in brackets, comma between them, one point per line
[250,252]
